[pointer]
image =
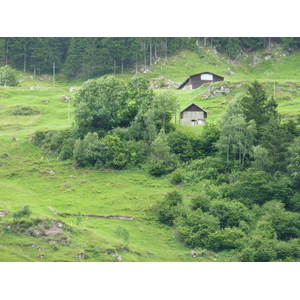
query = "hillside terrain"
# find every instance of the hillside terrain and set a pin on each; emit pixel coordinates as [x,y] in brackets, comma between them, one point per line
[84,213]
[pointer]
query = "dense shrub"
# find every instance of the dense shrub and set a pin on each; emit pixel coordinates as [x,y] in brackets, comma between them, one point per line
[194,229]
[247,255]
[60,142]
[257,187]
[287,250]
[201,201]
[8,76]
[165,213]
[265,252]
[22,213]
[229,213]
[177,176]
[227,238]
[174,198]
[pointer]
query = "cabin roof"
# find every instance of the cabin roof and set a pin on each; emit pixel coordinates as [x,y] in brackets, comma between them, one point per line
[200,108]
[197,75]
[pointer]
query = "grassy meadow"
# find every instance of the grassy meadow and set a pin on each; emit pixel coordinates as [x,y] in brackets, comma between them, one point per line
[53,189]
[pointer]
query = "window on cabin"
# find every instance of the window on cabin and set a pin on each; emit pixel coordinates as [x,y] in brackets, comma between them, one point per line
[206,77]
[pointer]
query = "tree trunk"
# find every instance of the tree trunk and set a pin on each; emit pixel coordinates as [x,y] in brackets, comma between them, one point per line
[166,48]
[150,52]
[25,58]
[145,57]
[122,64]
[6,55]
[136,63]
[25,61]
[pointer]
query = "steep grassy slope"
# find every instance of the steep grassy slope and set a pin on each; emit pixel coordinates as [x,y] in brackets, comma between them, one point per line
[54,189]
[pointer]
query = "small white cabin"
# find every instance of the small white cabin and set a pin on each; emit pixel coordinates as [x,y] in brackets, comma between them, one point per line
[193,115]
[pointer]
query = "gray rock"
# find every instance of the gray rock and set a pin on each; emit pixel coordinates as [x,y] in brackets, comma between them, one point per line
[36,234]
[66,98]
[119,258]
[3,213]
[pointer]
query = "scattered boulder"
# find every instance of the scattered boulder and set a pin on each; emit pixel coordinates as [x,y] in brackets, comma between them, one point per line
[213,91]
[257,60]
[53,231]
[36,233]
[3,213]
[117,256]
[81,255]
[36,88]
[229,72]
[66,98]
[71,89]
[162,82]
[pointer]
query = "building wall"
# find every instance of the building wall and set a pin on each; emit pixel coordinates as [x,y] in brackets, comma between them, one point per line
[192,117]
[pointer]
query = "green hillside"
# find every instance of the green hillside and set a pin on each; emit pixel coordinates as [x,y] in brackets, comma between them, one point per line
[86,206]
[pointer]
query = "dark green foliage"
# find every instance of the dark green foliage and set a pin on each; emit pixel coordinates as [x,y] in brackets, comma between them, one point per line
[19,110]
[87,151]
[276,139]
[59,143]
[252,42]
[122,233]
[167,210]
[286,250]
[161,160]
[38,138]
[108,152]
[173,198]
[227,238]
[229,213]
[195,228]
[191,146]
[247,255]
[100,105]
[254,104]
[181,145]
[265,252]
[165,213]
[202,201]
[211,168]
[257,187]
[177,176]
[22,213]
[8,76]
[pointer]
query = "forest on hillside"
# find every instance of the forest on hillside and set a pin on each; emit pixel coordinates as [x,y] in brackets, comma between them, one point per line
[86,57]
[243,173]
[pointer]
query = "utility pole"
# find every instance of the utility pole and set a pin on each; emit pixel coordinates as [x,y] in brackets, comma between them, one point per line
[53,74]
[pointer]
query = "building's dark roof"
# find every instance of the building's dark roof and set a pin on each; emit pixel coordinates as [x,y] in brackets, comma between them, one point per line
[200,108]
[197,75]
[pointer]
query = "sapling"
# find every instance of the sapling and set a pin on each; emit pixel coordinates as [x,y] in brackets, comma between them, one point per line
[123,233]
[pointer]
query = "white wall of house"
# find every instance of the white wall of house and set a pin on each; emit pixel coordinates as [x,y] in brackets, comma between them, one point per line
[193,118]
